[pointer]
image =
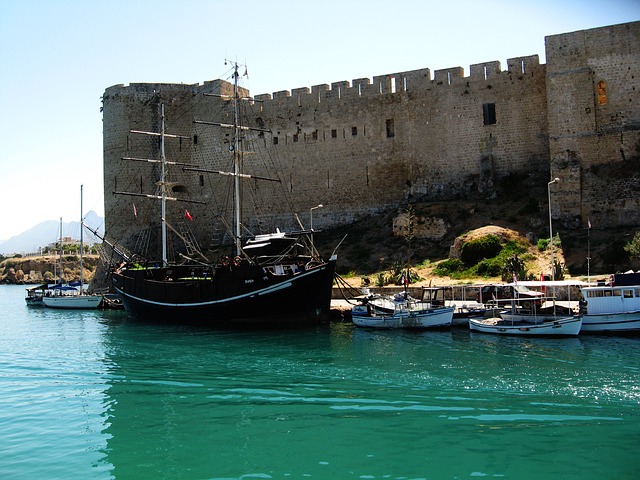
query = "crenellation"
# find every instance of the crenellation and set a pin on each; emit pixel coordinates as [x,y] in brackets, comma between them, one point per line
[484,71]
[448,76]
[523,65]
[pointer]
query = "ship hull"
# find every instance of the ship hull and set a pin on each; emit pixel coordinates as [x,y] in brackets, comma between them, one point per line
[243,294]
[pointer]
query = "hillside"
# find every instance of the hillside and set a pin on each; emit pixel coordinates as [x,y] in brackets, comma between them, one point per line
[48,232]
[370,245]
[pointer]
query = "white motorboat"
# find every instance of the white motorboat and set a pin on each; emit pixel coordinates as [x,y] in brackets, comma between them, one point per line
[613,307]
[400,311]
[559,327]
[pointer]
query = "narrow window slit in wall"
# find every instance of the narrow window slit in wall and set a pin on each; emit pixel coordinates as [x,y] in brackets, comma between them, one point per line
[404,84]
[489,113]
[486,72]
[390,128]
[393,84]
[522,66]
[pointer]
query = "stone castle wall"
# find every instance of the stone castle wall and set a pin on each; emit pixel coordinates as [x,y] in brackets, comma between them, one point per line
[593,98]
[363,146]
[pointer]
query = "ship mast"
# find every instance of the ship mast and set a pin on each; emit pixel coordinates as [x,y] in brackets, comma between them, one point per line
[236,159]
[163,189]
[81,244]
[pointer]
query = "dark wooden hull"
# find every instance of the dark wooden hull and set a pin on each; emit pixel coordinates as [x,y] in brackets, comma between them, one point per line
[245,293]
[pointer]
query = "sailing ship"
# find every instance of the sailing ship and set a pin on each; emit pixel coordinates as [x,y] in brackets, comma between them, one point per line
[73,295]
[265,278]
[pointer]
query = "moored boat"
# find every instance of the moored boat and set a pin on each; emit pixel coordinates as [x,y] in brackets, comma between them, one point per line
[614,307]
[401,311]
[560,327]
[264,278]
[35,294]
[71,296]
[403,316]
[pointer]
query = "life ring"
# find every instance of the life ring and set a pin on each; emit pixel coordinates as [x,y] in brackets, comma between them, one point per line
[237,260]
[225,261]
[526,305]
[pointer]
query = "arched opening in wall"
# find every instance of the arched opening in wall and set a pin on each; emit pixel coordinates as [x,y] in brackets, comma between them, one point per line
[393,84]
[404,84]
[359,89]
[448,78]
[602,92]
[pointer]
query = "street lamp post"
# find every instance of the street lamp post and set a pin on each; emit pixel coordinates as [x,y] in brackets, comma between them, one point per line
[553,263]
[313,248]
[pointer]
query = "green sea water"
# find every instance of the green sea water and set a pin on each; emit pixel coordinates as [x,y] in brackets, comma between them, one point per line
[95,395]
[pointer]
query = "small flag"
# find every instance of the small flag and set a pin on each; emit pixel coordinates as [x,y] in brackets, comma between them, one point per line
[188,215]
[135,212]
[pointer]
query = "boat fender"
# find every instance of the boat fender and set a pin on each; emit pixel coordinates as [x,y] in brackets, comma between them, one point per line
[225,261]
[237,260]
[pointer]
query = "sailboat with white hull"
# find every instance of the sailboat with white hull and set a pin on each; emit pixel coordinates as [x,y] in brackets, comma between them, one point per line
[72,296]
[268,278]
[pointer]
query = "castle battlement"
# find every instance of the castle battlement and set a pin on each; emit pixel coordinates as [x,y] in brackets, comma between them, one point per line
[362,146]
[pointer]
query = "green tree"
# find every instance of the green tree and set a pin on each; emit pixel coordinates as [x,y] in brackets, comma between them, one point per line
[633,247]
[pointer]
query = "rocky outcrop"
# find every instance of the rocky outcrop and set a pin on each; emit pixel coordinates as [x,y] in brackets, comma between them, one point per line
[43,269]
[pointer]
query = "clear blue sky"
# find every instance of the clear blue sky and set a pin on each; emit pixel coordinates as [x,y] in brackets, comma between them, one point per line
[57,57]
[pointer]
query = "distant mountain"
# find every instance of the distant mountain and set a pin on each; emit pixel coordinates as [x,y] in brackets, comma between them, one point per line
[49,232]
